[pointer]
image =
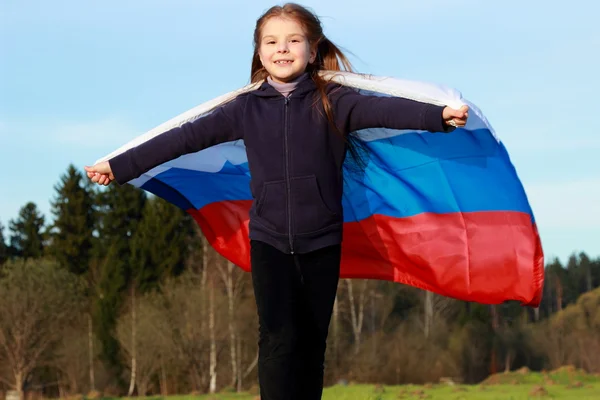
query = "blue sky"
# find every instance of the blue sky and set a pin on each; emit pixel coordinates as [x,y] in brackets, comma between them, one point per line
[79,79]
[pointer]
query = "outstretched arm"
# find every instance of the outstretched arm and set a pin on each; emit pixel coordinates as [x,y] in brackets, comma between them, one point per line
[355,111]
[222,125]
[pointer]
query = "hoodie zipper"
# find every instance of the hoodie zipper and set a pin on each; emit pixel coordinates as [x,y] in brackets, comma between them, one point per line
[287,171]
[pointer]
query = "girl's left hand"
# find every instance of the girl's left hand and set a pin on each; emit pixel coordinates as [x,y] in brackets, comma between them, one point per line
[456,118]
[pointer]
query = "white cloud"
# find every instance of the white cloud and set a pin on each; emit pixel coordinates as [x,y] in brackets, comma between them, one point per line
[566,205]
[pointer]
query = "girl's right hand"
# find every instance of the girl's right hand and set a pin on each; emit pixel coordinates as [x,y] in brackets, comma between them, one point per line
[100,173]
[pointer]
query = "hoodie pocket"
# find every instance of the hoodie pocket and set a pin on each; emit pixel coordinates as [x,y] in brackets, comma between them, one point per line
[309,210]
[271,206]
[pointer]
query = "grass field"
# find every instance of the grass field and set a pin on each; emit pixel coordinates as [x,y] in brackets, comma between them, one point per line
[565,383]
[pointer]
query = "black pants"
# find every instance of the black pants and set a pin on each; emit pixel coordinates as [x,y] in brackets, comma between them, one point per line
[294,296]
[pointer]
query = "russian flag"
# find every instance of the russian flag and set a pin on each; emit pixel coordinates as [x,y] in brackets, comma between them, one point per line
[441,212]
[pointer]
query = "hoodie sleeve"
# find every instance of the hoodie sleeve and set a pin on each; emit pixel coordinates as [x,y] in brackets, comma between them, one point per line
[222,125]
[354,111]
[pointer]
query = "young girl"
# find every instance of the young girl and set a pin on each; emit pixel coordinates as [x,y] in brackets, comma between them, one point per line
[295,128]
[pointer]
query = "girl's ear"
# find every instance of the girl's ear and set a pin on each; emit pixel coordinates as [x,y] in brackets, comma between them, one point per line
[313,54]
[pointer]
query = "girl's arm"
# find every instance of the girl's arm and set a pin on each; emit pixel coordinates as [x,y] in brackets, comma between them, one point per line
[222,125]
[355,111]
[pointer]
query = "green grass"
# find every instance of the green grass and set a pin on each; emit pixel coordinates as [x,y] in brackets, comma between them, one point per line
[460,392]
[566,383]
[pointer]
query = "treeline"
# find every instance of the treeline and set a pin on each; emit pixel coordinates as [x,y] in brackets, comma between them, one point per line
[120,294]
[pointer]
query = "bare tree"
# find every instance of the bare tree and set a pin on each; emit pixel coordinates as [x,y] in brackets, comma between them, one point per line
[143,341]
[428,312]
[437,310]
[232,279]
[336,334]
[180,309]
[357,310]
[211,329]
[208,278]
[91,357]
[39,301]
[203,283]
[132,348]
[71,358]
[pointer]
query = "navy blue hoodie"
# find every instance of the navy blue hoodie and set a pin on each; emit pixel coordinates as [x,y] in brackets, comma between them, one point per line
[295,157]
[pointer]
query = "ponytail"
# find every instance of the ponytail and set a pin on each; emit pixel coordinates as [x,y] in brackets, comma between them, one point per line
[329,58]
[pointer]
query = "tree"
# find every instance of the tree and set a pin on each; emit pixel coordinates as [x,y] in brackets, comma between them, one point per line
[554,282]
[585,275]
[39,300]
[232,279]
[120,211]
[160,244]
[183,309]
[573,281]
[357,311]
[3,247]
[213,341]
[437,308]
[428,320]
[72,356]
[72,236]
[595,272]
[73,209]
[159,249]
[149,348]
[27,237]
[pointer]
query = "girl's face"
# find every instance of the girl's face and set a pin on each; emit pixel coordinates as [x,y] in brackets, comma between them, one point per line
[284,50]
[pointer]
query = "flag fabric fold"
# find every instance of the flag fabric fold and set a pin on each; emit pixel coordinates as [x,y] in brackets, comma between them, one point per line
[441,212]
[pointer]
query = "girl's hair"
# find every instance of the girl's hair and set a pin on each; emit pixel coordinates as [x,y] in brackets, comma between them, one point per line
[329,56]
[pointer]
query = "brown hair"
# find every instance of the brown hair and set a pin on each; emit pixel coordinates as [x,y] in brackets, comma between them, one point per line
[329,56]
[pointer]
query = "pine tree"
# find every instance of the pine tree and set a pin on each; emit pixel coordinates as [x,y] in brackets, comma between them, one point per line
[585,264]
[27,236]
[575,277]
[554,287]
[120,210]
[3,247]
[595,272]
[72,238]
[71,235]
[160,243]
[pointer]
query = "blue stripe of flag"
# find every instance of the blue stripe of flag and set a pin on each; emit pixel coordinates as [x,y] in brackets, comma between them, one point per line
[405,175]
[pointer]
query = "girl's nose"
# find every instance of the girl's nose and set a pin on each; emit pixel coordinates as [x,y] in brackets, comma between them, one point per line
[282,47]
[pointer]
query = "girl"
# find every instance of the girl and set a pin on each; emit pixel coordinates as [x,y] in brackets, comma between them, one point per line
[295,127]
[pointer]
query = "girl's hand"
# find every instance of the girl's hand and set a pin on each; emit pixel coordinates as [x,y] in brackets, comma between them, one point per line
[457,118]
[100,173]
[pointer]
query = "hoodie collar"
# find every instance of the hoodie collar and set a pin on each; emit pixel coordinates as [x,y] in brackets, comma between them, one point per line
[304,85]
